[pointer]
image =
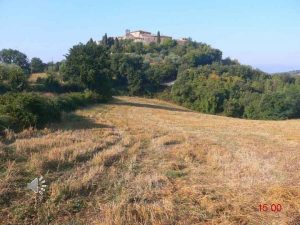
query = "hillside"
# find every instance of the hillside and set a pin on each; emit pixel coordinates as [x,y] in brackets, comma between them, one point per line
[143,161]
[290,73]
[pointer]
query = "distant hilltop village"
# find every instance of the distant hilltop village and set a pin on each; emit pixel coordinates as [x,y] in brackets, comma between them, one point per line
[147,38]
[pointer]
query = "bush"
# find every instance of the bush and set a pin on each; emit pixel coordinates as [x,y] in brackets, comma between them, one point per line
[274,105]
[233,108]
[72,87]
[22,110]
[13,76]
[19,111]
[278,105]
[3,88]
[53,85]
[71,101]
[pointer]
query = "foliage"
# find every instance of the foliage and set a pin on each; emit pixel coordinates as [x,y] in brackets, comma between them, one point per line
[163,72]
[238,91]
[37,65]
[22,110]
[52,67]
[13,76]
[203,56]
[50,83]
[89,65]
[11,56]
[232,107]
[71,101]
[27,109]
[158,37]
[3,87]
[129,72]
[104,39]
[204,81]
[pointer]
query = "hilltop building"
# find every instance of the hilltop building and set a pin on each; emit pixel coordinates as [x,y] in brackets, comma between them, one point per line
[146,37]
[182,41]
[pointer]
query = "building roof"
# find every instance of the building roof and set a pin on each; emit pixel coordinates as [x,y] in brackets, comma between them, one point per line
[141,31]
[163,36]
[129,35]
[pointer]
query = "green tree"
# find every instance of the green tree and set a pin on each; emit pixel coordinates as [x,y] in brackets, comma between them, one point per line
[202,56]
[11,56]
[228,61]
[168,43]
[158,37]
[297,80]
[37,65]
[89,64]
[116,48]
[50,83]
[110,41]
[161,72]
[4,71]
[129,71]
[233,108]
[13,76]
[104,39]
[16,78]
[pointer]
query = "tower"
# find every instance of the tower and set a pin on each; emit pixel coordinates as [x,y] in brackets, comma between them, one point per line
[127,31]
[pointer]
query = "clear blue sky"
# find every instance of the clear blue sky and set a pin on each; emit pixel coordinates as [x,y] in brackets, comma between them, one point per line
[261,33]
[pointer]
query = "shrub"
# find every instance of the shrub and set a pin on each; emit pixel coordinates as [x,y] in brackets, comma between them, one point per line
[71,101]
[3,88]
[22,110]
[51,84]
[72,87]
[233,108]
[14,76]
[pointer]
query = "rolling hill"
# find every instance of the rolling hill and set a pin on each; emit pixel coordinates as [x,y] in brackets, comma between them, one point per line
[290,73]
[145,161]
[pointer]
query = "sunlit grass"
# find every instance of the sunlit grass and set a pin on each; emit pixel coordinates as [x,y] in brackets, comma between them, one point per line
[34,76]
[143,161]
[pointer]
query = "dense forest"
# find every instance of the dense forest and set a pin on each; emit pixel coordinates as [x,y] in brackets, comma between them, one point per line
[204,81]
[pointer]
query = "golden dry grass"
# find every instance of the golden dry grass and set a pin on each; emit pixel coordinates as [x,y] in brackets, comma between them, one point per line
[33,77]
[142,161]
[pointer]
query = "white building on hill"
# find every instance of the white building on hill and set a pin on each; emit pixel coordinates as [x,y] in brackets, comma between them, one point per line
[145,37]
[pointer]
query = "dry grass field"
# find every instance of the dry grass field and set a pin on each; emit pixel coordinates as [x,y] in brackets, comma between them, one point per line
[142,161]
[33,77]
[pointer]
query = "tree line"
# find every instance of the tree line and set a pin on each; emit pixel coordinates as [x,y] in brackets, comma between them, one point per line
[238,91]
[205,81]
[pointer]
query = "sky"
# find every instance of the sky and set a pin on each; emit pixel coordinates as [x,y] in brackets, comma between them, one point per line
[262,33]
